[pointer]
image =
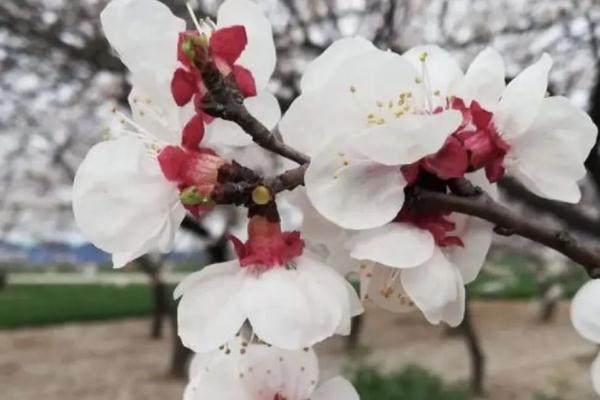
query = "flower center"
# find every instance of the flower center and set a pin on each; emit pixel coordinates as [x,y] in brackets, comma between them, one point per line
[267,246]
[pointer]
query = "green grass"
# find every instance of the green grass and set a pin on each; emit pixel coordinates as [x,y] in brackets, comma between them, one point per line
[410,383]
[518,281]
[33,305]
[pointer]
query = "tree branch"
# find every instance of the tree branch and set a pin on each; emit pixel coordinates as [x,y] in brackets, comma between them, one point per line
[237,183]
[478,204]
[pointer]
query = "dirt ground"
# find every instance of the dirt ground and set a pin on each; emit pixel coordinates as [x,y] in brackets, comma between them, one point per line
[118,360]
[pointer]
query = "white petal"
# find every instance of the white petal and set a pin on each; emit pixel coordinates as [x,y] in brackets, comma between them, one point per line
[595,373]
[359,195]
[296,308]
[269,370]
[121,200]
[549,157]
[265,108]
[484,80]
[396,245]
[382,286]
[322,68]
[441,69]
[218,379]
[585,311]
[521,101]
[336,388]
[407,139]
[475,234]
[341,107]
[221,132]
[210,312]
[259,55]
[436,287]
[145,34]
[314,226]
[303,126]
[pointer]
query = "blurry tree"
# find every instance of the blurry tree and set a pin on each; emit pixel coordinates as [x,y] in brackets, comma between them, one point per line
[58,76]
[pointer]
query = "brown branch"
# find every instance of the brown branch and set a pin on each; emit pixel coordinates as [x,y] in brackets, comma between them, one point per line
[479,204]
[226,102]
[237,183]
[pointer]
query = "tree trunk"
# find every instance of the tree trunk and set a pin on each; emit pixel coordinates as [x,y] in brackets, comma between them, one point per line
[476,355]
[161,307]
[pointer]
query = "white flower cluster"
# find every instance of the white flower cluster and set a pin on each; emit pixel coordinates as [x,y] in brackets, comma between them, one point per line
[377,126]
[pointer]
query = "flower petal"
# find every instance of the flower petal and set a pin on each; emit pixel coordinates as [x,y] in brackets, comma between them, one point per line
[521,101]
[407,139]
[382,286]
[436,287]
[351,191]
[270,370]
[585,311]
[336,388]
[397,245]
[484,80]
[145,34]
[259,55]
[295,308]
[441,69]
[121,200]
[322,68]
[549,157]
[342,107]
[210,311]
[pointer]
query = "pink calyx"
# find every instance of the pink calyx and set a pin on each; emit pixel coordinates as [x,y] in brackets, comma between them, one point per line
[191,169]
[267,246]
[433,221]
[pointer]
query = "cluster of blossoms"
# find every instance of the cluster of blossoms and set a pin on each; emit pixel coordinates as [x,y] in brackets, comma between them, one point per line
[378,126]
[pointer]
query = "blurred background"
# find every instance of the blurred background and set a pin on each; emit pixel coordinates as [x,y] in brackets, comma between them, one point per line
[71,328]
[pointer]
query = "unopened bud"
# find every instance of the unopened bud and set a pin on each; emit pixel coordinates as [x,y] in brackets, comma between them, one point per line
[191,196]
[261,195]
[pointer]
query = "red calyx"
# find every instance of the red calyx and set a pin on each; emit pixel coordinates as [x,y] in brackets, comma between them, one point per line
[228,43]
[267,246]
[435,222]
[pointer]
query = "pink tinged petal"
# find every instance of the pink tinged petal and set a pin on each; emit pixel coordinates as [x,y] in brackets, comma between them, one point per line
[396,245]
[484,80]
[436,287]
[259,54]
[144,33]
[121,200]
[408,138]
[442,68]
[549,156]
[322,68]
[193,132]
[384,289]
[336,388]
[244,81]
[585,311]
[521,101]
[228,43]
[210,312]
[353,192]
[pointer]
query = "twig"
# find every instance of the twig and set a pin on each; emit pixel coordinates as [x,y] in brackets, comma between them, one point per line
[225,101]
[484,207]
